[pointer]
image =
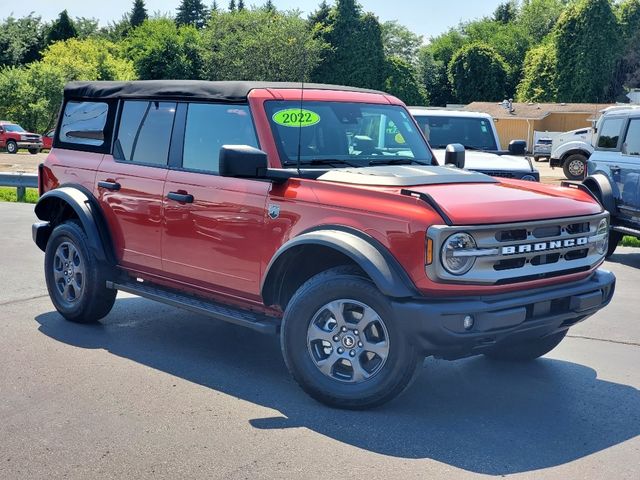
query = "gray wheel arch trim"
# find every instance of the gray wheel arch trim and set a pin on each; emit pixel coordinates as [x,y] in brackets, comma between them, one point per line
[600,186]
[369,254]
[85,207]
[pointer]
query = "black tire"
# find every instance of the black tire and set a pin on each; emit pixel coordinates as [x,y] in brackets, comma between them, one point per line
[527,351]
[614,240]
[537,159]
[575,167]
[12,147]
[395,373]
[92,299]
[34,151]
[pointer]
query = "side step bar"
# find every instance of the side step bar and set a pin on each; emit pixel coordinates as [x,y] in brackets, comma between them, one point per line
[626,230]
[254,321]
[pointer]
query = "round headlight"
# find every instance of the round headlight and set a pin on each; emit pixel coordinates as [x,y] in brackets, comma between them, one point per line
[603,229]
[458,265]
[529,178]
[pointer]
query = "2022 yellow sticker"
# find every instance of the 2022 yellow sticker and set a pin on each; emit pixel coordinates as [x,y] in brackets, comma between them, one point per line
[296,117]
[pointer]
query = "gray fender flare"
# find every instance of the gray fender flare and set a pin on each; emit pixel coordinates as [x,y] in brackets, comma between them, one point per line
[87,211]
[369,254]
[600,186]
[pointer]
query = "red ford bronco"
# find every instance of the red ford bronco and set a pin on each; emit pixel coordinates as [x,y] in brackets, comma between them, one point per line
[318,214]
[13,137]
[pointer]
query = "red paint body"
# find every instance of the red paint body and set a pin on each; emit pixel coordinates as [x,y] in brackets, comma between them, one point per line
[221,244]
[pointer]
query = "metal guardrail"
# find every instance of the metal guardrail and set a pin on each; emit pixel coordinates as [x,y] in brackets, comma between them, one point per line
[21,181]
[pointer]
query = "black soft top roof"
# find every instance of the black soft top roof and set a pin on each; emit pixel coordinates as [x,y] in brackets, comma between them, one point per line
[185,89]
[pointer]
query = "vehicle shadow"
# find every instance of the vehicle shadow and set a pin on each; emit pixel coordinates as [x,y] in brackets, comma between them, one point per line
[627,257]
[473,414]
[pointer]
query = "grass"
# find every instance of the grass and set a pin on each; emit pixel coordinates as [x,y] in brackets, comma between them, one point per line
[630,242]
[8,194]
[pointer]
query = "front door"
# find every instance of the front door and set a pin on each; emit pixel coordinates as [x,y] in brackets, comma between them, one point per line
[630,171]
[130,183]
[213,225]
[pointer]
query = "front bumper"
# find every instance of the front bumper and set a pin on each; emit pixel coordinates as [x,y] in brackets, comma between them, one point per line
[38,145]
[436,326]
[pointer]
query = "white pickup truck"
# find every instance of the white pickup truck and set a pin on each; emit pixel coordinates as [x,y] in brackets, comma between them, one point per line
[572,149]
[477,133]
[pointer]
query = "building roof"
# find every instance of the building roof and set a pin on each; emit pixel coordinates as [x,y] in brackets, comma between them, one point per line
[185,89]
[535,111]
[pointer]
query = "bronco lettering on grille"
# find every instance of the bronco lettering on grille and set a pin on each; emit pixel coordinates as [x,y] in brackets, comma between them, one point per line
[545,246]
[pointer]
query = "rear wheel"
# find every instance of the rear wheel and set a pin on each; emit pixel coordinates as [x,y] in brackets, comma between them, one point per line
[75,278]
[527,351]
[575,167]
[34,151]
[12,147]
[342,344]
[614,240]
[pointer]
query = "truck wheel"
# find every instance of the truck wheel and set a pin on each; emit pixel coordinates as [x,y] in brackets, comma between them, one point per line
[75,279]
[342,343]
[614,240]
[34,151]
[527,351]
[575,167]
[12,147]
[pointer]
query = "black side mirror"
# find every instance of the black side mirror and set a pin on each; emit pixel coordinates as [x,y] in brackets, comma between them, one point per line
[454,155]
[517,147]
[242,161]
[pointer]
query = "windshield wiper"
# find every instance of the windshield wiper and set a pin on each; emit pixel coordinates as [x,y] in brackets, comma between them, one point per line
[325,161]
[396,161]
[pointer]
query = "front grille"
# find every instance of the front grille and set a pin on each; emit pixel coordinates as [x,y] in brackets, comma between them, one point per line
[498,173]
[520,252]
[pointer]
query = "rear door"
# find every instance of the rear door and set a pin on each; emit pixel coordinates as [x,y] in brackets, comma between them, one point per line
[630,170]
[129,183]
[213,231]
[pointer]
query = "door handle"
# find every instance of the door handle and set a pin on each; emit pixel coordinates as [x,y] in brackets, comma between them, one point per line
[113,186]
[180,197]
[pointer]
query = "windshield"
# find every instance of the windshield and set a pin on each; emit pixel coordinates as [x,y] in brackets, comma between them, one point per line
[13,128]
[473,133]
[345,134]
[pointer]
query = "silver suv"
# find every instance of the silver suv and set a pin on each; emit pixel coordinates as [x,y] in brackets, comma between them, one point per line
[614,172]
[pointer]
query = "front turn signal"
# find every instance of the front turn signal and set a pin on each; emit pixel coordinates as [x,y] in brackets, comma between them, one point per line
[429,251]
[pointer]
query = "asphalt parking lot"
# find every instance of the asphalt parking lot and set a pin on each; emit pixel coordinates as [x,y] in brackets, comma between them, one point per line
[155,392]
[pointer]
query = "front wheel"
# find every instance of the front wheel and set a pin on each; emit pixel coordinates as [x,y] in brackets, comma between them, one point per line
[527,351]
[75,278]
[614,240]
[575,167]
[12,147]
[342,343]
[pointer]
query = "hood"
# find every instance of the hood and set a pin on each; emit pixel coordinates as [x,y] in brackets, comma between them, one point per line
[471,198]
[487,161]
[509,201]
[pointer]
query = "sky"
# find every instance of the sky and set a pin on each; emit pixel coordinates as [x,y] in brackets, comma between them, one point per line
[428,18]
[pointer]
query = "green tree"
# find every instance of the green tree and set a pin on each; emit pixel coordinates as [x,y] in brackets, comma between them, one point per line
[232,6]
[89,59]
[401,81]
[86,27]
[162,50]
[21,40]
[117,30]
[539,17]
[432,75]
[588,41]
[539,83]
[192,12]
[269,6]
[506,12]
[399,41]
[356,54]
[478,72]
[240,5]
[138,13]
[260,45]
[214,6]
[320,17]
[62,29]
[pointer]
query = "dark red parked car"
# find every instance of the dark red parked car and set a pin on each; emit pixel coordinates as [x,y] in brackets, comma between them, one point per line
[13,137]
[318,215]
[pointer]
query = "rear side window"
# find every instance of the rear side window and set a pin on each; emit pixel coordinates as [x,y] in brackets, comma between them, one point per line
[145,131]
[610,133]
[84,123]
[632,142]
[209,127]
